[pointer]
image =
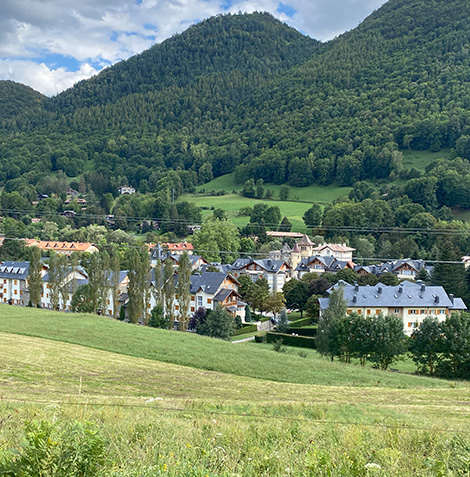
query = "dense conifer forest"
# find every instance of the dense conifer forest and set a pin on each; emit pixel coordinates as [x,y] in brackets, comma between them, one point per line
[248,94]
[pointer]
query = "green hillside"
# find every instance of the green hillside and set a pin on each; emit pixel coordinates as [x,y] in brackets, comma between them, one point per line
[249,95]
[72,407]
[195,351]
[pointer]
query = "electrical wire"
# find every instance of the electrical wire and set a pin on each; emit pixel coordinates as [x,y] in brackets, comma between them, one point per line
[239,415]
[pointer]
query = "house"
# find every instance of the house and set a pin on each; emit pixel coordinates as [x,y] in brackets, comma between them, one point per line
[72,193]
[196,260]
[302,249]
[285,254]
[405,269]
[411,301]
[70,214]
[179,248]
[66,248]
[192,229]
[74,277]
[319,264]
[14,283]
[209,289]
[126,190]
[276,272]
[338,251]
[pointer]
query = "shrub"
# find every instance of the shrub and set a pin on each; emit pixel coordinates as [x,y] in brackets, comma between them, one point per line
[52,450]
[246,329]
[278,346]
[260,338]
[300,323]
[291,340]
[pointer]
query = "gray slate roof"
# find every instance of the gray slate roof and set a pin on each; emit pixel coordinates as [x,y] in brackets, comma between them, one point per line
[15,270]
[407,294]
[208,282]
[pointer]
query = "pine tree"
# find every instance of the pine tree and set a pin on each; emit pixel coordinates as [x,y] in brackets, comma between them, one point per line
[283,323]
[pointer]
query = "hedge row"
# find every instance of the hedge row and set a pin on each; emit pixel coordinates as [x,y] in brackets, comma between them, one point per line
[246,329]
[300,323]
[312,332]
[292,340]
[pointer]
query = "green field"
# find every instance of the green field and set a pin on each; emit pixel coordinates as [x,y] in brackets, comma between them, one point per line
[313,193]
[420,159]
[231,203]
[195,351]
[131,408]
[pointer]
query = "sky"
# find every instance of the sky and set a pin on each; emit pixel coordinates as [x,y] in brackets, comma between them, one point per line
[51,44]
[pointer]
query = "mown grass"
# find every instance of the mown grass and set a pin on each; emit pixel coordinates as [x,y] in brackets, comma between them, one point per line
[420,159]
[195,351]
[232,203]
[313,193]
[161,419]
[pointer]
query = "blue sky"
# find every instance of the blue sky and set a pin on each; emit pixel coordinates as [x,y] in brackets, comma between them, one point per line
[51,44]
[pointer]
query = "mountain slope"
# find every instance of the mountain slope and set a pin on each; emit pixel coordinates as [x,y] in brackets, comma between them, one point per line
[247,93]
[18,100]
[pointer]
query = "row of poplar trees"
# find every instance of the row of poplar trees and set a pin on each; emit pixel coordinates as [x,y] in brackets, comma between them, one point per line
[103,270]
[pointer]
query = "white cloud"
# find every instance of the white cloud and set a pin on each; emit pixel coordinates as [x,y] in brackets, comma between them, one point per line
[35,35]
[42,78]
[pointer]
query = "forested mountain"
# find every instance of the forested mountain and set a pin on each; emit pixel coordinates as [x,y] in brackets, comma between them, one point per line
[18,100]
[246,93]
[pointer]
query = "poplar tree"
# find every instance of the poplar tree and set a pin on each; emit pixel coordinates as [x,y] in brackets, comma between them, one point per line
[34,277]
[54,280]
[115,272]
[184,283]
[95,279]
[158,290]
[139,288]
[169,291]
[63,284]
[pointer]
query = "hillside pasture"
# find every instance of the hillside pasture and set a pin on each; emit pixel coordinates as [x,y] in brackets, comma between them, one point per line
[187,349]
[313,193]
[232,203]
[155,418]
[421,159]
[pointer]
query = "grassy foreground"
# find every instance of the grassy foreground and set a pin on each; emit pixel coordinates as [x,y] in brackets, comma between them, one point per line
[196,351]
[96,413]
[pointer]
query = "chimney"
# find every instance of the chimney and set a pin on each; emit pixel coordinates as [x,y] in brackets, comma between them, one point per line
[423,287]
[380,289]
[354,299]
[451,296]
[356,286]
[436,299]
[400,289]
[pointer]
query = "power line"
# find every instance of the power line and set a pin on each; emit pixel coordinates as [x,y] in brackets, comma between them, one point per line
[334,228]
[263,254]
[239,415]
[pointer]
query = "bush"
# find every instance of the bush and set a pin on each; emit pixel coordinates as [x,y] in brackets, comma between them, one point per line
[300,323]
[260,338]
[291,340]
[246,329]
[311,332]
[53,450]
[278,346]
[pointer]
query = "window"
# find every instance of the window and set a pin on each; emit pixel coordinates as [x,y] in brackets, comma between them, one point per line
[199,301]
[368,312]
[209,301]
[176,296]
[192,308]
[423,312]
[16,282]
[148,305]
[16,292]
[378,312]
[412,312]
[409,325]
[397,311]
[177,307]
[442,312]
[349,312]
[192,297]
[359,312]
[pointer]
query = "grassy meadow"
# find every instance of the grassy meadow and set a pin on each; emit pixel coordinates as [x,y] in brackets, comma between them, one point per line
[126,401]
[420,159]
[187,349]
